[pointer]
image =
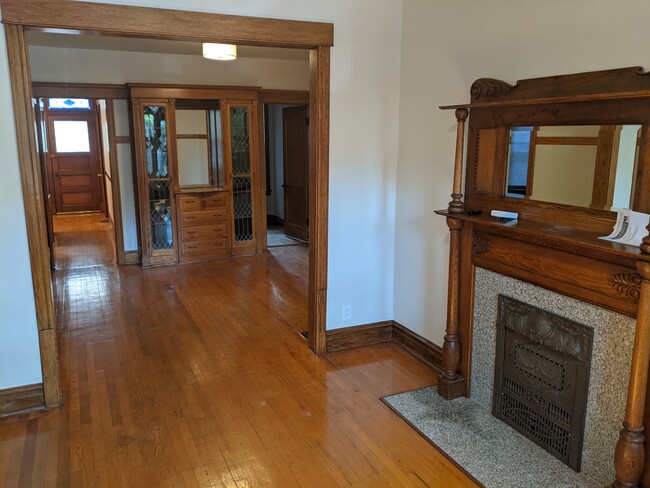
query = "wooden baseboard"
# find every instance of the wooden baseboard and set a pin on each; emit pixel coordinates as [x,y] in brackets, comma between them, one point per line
[388,331]
[423,349]
[359,335]
[22,399]
[131,257]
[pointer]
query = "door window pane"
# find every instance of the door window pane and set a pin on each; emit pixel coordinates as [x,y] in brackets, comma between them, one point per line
[71,136]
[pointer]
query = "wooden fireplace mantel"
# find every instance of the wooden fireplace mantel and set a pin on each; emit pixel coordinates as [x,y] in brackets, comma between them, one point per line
[552,245]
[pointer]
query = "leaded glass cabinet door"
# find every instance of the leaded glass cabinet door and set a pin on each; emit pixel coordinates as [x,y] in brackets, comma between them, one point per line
[242,157]
[154,129]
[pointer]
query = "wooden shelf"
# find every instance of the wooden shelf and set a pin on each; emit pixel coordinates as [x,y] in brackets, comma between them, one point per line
[568,239]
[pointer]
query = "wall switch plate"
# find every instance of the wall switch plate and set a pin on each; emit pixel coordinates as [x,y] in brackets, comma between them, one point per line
[347,312]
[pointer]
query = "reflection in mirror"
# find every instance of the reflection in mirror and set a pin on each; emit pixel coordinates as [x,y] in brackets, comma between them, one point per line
[587,166]
[198,145]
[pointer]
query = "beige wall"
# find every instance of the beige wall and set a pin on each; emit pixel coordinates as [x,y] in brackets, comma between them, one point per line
[446,45]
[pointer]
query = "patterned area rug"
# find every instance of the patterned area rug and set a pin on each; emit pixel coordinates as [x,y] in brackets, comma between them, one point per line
[487,449]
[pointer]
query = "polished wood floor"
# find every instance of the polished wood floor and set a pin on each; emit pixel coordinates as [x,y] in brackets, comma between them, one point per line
[196,376]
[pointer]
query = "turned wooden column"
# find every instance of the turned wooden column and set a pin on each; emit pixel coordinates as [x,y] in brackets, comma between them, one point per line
[629,456]
[450,384]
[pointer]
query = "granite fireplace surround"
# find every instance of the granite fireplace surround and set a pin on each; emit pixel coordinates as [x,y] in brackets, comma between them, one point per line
[611,360]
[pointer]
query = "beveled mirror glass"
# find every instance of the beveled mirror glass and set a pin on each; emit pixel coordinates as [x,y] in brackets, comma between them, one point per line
[587,166]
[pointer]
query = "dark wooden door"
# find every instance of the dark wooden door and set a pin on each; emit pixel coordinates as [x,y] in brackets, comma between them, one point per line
[74,162]
[296,171]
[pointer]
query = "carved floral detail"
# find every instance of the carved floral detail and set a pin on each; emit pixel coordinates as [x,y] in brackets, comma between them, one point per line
[488,88]
[480,244]
[628,284]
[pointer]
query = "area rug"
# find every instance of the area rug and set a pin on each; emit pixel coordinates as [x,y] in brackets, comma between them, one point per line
[487,449]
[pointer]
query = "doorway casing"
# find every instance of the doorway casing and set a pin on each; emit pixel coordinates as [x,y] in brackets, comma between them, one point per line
[119,20]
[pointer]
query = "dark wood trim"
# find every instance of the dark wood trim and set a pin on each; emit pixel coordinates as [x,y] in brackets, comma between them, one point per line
[423,349]
[319,135]
[79,90]
[382,332]
[167,24]
[192,136]
[22,399]
[30,173]
[123,139]
[131,257]
[290,97]
[193,92]
[359,336]
[115,183]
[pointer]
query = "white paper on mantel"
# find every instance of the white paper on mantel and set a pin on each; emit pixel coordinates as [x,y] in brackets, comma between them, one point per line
[630,227]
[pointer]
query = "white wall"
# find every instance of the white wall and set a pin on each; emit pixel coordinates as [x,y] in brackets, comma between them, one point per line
[20,362]
[445,47]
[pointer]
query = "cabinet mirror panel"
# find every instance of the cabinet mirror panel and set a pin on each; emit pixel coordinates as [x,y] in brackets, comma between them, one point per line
[590,166]
[199,147]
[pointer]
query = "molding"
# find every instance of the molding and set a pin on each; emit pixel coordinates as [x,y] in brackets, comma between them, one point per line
[382,332]
[21,399]
[423,349]
[293,97]
[167,23]
[131,257]
[359,336]
[79,90]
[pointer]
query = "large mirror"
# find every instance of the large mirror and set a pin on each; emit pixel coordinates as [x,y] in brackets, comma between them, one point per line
[587,166]
[198,144]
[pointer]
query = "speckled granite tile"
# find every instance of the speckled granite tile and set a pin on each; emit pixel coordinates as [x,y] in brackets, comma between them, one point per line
[492,452]
[610,363]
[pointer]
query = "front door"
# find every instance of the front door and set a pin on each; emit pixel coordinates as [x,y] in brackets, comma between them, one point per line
[74,162]
[296,171]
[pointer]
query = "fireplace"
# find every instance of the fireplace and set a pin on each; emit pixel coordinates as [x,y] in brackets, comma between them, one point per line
[541,377]
[613,336]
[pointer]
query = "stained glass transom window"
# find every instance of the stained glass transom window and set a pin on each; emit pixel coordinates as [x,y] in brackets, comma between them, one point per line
[155,135]
[68,104]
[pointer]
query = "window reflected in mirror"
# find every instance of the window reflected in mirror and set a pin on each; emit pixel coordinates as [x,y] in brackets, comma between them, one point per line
[587,166]
[199,147]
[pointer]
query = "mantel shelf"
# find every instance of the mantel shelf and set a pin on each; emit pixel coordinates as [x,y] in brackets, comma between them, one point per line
[559,237]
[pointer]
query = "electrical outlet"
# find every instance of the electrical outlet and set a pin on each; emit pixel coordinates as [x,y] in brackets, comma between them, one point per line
[347,312]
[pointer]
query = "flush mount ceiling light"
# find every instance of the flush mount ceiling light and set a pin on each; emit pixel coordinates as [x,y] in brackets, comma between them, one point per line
[222,52]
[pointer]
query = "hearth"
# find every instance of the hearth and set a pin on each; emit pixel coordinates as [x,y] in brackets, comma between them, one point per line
[541,377]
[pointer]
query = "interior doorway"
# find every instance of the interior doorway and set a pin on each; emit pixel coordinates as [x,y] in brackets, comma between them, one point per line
[73,143]
[287,164]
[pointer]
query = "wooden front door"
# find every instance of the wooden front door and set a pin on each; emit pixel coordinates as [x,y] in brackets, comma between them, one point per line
[74,162]
[296,171]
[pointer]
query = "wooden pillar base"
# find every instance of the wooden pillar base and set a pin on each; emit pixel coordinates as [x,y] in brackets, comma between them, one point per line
[450,389]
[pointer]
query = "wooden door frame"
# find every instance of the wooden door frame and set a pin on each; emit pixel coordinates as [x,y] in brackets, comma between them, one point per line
[97,18]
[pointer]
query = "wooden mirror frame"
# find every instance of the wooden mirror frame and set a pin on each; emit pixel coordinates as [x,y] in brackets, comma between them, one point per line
[155,23]
[551,245]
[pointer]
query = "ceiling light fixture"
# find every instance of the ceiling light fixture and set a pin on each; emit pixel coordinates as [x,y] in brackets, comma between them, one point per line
[222,52]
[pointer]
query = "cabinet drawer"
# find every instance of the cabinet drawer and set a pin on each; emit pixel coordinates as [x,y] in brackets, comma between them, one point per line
[204,232]
[190,202]
[215,200]
[201,246]
[204,217]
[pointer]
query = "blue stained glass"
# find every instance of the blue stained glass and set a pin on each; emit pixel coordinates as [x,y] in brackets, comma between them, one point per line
[68,104]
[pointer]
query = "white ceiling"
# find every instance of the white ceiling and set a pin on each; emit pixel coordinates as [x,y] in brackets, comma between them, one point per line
[110,43]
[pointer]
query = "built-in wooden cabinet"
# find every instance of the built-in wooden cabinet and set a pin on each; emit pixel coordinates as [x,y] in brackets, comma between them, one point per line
[199,188]
[204,230]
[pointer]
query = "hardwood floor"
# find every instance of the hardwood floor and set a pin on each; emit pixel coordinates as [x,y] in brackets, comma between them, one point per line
[195,376]
[83,240]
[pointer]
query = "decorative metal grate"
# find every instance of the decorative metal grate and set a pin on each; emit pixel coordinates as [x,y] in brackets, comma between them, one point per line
[155,136]
[542,377]
[160,215]
[243,208]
